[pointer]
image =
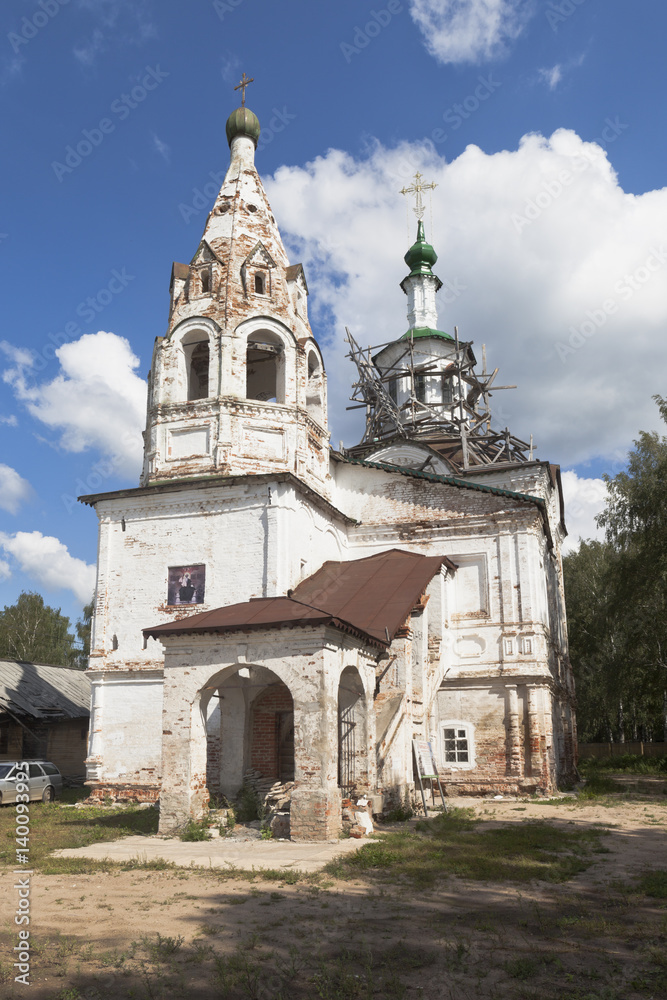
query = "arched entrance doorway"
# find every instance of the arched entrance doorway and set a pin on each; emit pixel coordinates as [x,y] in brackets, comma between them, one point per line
[352,734]
[249,729]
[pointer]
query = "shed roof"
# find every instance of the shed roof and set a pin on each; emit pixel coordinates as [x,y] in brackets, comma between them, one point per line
[370,598]
[43,692]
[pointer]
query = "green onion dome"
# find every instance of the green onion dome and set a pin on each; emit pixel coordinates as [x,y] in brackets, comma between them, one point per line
[243,122]
[421,256]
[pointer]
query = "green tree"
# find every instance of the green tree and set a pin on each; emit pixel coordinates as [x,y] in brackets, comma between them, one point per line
[83,631]
[616,594]
[635,521]
[594,638]
[32,631]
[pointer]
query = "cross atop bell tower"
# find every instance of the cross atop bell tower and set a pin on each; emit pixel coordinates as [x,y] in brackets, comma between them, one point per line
[242,87]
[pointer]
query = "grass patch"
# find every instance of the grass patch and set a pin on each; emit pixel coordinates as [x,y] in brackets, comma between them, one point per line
[452,844]
[521,968]
[631,763]
[654,883]
[598,785]
[193,831]
[53,828]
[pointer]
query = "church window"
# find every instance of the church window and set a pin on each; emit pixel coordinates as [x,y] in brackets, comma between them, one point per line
[265,368]
[198,379]
[447,391]
[314,387]
[206,281]
[420,388]
[259,284]
[457,744]
[114,642]
[392,387]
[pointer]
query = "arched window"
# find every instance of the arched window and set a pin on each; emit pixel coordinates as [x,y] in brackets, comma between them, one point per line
[259,284]
[314,387]
[420,388]
[198,372]
[206,281]
[265,368]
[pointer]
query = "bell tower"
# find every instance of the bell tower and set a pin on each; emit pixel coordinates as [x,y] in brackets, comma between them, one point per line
[237,383]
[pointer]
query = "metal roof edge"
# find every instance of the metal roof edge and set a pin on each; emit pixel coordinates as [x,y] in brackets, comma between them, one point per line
[329,621]
[203,482]
[447,480]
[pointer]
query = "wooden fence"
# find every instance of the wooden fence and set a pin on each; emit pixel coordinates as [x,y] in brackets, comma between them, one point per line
[617,749]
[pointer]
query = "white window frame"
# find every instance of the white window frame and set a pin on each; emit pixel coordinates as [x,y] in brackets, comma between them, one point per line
[458,724]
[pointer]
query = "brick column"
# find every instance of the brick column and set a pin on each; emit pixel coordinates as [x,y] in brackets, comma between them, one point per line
[514,754]
[534,735]
[184,794]
[315,812]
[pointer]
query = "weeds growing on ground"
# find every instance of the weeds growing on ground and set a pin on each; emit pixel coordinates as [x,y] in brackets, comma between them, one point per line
[248,805]
[53,827]
[193,831]
[633,763]
[452,844]
[598,785]
[654,883]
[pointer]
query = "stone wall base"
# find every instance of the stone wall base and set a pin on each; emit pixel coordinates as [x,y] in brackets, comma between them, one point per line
[119,792]
[510,786]
[315,815]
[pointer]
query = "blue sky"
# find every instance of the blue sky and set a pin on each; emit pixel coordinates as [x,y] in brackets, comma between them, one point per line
[543,125]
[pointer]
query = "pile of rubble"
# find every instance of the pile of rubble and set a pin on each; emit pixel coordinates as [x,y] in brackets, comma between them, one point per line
[274,798]
[357,817]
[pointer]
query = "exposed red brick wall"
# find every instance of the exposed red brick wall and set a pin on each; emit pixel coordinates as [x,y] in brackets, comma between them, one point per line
[264,745]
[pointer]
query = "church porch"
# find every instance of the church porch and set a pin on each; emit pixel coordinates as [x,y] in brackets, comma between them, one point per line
[271,706]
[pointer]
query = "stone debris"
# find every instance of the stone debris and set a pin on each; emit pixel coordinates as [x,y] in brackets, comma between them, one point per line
[357,817]
[274,799]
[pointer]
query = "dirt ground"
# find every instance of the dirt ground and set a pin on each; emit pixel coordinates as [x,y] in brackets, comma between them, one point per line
[177,933]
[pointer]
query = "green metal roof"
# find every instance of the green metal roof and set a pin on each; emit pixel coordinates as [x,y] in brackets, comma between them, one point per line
[417,332]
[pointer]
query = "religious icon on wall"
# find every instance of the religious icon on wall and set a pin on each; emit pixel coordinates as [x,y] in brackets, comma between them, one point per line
[186,585]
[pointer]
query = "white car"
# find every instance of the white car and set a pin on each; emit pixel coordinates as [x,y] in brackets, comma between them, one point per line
[44,780]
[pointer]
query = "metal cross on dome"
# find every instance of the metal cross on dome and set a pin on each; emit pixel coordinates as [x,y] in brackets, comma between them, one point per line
[417,189]
[242,86]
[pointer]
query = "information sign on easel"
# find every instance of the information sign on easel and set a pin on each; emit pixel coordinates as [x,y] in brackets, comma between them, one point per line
[427,770]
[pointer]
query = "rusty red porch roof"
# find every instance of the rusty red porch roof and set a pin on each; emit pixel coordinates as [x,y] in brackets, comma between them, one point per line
[370,598]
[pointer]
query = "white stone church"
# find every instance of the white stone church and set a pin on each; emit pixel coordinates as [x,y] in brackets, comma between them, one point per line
[267,603]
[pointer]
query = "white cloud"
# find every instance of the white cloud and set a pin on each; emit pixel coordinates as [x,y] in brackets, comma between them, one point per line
[14,490]
[230,65]
[127,22]
[584,499]
[553,76]
[95,401]
[461,31]
[5,570]
[162,148]
[88,51]
[9,421]
[48,561]
[528,288]
[18,355]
